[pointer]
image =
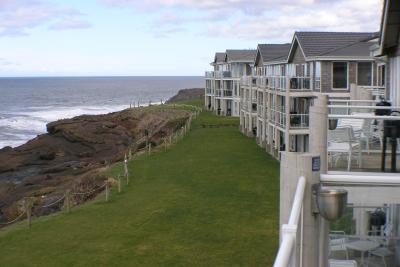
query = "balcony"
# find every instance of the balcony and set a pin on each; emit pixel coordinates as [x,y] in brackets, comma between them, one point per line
[278,83]
[299,121]
[254,107]
[209,74]
[245,80]
[300,83]
[222,74]
[227,93]
[376,91]
[218,93]
[208,91]
[281,118]
[262,82]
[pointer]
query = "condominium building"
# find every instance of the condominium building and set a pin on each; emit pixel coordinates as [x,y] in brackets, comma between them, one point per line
[223,83]
[286,78]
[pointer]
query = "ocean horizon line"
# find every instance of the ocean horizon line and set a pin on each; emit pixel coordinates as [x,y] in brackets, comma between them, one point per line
[99,76]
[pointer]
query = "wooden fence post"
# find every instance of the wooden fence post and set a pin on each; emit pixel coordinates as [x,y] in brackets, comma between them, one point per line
[130,154]
[28,210]
[68,200]
[149,149]
[107,191]
[119,183]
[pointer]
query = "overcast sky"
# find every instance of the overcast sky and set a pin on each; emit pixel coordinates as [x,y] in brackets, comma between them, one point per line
[157,37]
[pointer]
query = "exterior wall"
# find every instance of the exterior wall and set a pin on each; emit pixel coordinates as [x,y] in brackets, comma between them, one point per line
[326,76]
[298,57]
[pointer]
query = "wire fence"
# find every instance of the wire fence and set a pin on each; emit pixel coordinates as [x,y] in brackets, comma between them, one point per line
[67,197]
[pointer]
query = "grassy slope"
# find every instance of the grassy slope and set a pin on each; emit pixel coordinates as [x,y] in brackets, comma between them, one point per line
[211,200]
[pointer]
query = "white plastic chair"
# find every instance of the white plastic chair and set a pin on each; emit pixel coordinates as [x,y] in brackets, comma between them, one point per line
[342,263]
[342,141]
[383,251]
[337,242]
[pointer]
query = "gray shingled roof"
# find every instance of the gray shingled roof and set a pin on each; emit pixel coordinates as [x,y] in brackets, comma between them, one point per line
[273,52]
[317,43]
[219,57]
[360,49]
[241,55]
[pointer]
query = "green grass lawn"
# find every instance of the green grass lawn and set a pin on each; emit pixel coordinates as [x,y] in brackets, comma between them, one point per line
[210,200]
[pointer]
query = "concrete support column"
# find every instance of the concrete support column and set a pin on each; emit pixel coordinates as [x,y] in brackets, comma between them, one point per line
[294,165]
[318,146]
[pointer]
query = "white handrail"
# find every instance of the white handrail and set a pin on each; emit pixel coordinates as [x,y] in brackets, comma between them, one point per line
[364,107]
[297,201]
[355,101]
[361,116]
[360,179]
[286,249]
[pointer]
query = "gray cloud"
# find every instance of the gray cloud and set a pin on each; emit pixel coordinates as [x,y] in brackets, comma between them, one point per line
[17,17]
[260,19]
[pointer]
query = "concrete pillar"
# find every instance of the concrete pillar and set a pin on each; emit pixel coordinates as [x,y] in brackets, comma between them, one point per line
[318,146]
[319,129]
[294,165]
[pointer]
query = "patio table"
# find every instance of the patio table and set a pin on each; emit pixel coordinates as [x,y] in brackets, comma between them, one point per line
[362,246]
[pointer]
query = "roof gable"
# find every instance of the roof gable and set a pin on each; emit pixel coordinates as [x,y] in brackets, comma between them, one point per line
[314,44]
[273,52]
[219,57]
[245,55]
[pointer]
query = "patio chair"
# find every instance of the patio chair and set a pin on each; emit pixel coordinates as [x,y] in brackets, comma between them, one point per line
[342,263]
[337,242]
[383,251]
[342,141]
[366,135]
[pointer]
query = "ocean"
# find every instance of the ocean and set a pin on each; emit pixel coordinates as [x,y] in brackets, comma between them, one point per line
[28,104]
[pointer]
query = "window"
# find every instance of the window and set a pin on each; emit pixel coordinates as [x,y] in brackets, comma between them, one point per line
[318,69]
[364,71]
[339,75]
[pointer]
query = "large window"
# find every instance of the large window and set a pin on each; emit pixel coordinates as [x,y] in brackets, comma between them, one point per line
[364,72]
[339,75]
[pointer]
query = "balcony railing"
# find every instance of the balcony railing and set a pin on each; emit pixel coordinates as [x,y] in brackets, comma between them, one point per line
[286,256]
[281,120]
[378,91]
[359,140]
[300,83]
[246,80]
[209,74]
[299,120]
[222,74]
[208,91]
[227,93]
[278,82]
[218,93]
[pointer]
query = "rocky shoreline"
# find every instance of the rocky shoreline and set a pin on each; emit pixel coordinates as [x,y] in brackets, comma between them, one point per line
[74,153]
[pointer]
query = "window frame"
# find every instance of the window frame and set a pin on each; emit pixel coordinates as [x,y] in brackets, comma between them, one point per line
[371,72]
[347,76]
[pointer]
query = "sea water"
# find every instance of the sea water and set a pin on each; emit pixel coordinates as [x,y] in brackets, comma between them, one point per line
[28,104]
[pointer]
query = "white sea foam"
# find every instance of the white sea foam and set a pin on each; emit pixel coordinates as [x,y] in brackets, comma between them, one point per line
[19,127]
